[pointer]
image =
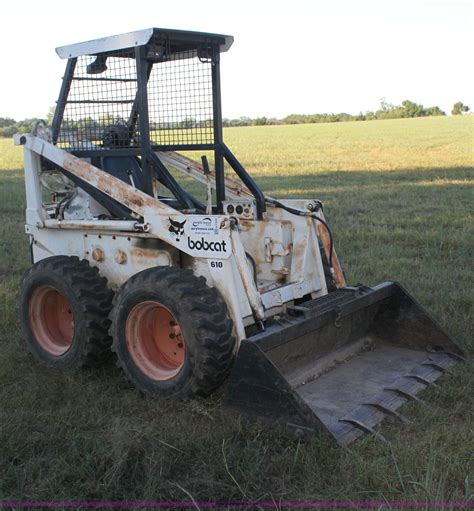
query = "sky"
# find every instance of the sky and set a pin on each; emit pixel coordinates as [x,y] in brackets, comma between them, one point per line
[292,56]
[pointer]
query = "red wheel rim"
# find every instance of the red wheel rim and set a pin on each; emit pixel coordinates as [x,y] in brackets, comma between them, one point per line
[155,341]
[51,320]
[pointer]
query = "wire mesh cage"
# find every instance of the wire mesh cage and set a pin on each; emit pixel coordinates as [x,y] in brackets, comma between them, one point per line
[100,103]
[102,108]
[180,100]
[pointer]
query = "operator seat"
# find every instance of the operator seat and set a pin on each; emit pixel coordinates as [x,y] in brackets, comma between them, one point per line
[125,168]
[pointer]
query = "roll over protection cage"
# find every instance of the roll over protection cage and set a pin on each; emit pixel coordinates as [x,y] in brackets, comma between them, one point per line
[161,90]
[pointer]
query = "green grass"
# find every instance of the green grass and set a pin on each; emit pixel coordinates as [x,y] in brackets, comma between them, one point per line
[399,196]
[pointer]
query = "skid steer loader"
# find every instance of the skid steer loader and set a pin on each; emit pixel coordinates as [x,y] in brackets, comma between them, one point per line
[191,291]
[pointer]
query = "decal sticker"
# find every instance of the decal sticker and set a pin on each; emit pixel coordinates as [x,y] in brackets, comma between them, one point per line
[205,226]
[176,228]
[202,244]
[200,236]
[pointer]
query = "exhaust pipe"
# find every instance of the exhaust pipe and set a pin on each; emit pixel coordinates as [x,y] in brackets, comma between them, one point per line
[341,363]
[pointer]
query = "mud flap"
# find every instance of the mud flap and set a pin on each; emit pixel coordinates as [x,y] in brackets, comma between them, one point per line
[342,363]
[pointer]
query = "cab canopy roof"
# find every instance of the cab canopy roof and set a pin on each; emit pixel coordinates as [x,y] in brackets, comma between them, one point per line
[178,41]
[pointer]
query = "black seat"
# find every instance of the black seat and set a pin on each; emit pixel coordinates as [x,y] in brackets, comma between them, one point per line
[128,170]
[125,168]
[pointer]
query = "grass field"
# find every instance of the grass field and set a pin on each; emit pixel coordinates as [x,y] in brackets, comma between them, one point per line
[399,196]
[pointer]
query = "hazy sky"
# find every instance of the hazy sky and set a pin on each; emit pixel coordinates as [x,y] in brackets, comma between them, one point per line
[293,56]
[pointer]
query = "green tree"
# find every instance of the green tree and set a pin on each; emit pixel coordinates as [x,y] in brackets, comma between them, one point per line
[6,122]
[459,108]
[260,121]
[434,110]
[411,109]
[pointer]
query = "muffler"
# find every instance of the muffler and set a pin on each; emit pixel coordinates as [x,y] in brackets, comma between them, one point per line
[341,363]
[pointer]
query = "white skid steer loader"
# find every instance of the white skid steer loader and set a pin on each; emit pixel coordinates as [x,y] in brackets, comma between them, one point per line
[187,291]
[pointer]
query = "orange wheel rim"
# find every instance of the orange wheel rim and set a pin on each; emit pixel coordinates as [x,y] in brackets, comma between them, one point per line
[51,320]
[155,341]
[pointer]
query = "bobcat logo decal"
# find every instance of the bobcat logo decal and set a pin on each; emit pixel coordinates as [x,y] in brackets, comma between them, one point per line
[176,228]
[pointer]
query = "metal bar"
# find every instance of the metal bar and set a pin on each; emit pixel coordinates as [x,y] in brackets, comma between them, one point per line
[91,153]
[100,101]
[110,204]
[234,189]
[106,44]
[133,118]
[63,94]
[220,186]
[35,213]
[184,147]
[169,181]
[218,135]
[143,119]
[109,225]
[125,194]
[246,179]
[377,294]
[246,274]
[95,78]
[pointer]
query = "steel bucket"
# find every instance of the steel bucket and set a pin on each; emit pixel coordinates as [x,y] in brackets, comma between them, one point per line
[342,363]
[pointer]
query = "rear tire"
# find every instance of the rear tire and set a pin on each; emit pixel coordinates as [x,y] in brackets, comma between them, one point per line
[64,307]
[172,333]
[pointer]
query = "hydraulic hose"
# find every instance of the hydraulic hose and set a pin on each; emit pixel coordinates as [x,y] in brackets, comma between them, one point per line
[299,212]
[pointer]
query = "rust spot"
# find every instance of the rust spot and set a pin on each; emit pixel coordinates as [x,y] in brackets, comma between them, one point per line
[98,255]
[245,225]
[144,253]
[120,257]
[150,257]
[281,271]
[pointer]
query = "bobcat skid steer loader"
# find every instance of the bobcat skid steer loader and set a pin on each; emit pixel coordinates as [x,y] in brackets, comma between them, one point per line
[191,290]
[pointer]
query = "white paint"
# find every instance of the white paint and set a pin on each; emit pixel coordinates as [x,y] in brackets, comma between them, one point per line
[110,43]
[285,246]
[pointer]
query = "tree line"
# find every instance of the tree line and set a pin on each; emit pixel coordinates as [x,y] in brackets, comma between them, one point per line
[386,110]
[407,109]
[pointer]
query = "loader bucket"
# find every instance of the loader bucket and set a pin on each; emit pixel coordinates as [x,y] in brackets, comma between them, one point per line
[341,363]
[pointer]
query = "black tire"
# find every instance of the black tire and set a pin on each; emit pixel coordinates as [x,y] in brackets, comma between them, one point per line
[79,287]
[201,321]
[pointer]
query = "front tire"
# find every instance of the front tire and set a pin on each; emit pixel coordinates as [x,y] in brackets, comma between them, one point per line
[64,305]
[172,333]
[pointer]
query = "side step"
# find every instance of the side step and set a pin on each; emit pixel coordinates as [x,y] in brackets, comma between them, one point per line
[341,363]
